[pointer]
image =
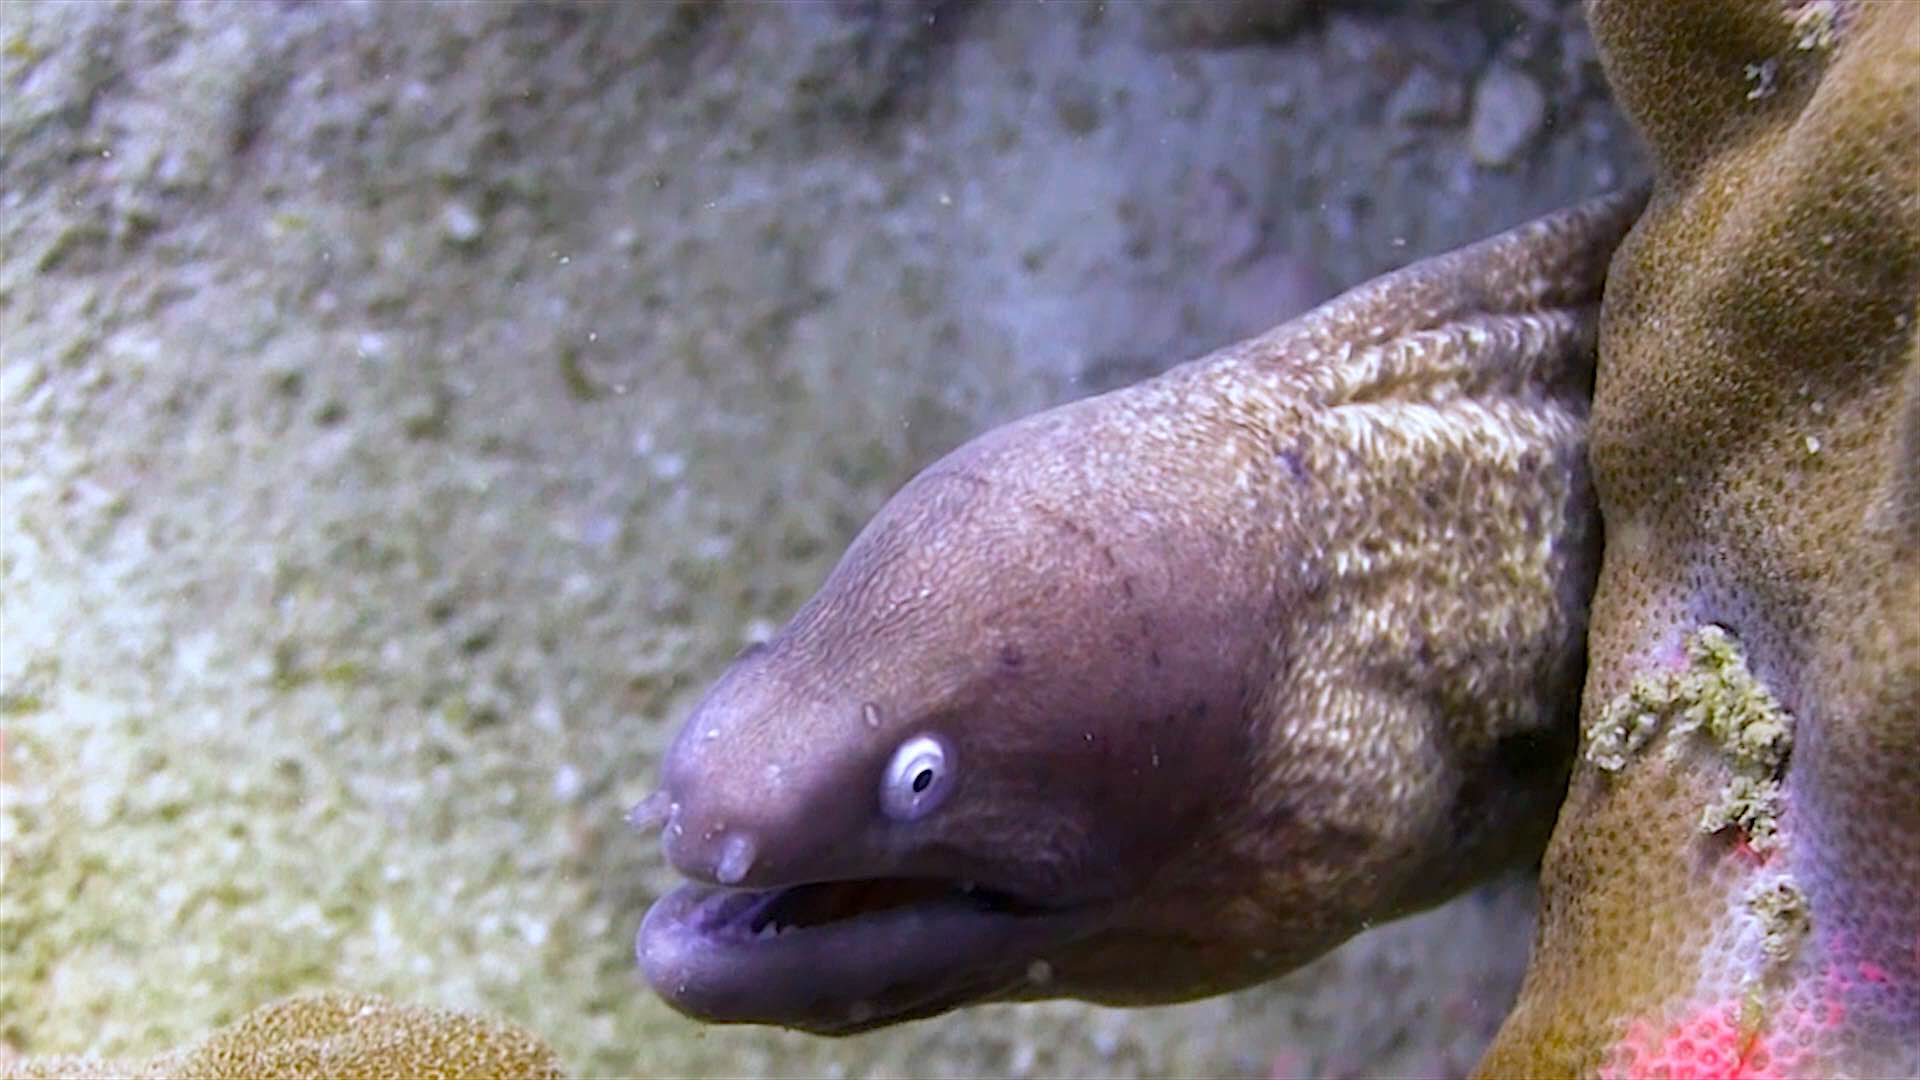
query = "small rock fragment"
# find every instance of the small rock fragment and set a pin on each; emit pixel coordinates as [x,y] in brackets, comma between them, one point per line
[1076,105]
[1508,113]
[460,224]
[1425,98]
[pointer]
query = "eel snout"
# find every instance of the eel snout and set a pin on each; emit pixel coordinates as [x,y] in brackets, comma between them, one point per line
[808,905]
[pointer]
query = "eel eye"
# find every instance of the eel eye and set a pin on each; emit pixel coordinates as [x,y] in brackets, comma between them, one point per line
[917,779]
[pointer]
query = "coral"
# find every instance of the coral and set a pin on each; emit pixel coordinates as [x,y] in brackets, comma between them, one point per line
[1627,723]
[1717,1041]
[1717,698]
[1814,25]
[1730,705]
[1750,804]
[333,1035]
[1754,452]
[1782,910]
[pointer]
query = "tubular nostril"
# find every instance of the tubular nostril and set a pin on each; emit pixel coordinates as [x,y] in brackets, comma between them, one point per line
[698,845]
[651,812]
[736,859]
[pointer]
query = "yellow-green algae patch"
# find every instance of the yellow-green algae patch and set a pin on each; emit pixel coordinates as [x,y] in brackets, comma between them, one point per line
[1815,26]
[1717,697]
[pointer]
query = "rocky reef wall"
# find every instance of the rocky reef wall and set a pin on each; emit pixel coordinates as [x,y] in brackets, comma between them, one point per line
[404,409]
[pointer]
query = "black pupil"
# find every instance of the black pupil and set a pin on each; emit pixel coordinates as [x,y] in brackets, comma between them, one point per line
[921,779]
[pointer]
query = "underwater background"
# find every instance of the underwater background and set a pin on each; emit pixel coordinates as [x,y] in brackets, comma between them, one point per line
[407,409]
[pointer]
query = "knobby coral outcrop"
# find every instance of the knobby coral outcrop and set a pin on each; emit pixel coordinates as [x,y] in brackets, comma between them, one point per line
[1731,886]
[331,1034]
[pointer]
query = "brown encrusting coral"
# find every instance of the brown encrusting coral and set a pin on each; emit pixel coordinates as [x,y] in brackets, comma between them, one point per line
[336,1035]
[1755,454]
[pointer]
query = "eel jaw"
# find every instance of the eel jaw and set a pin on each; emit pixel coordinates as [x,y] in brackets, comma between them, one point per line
[835,958]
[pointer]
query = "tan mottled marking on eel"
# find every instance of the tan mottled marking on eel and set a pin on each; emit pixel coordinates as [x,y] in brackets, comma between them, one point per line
[1168,691]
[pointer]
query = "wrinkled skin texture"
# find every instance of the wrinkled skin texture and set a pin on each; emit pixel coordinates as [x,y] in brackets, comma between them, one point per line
[1756,447]
[1225,667]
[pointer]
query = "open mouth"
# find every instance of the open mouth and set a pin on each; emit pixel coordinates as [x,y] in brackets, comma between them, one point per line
[759,915]
[836,957]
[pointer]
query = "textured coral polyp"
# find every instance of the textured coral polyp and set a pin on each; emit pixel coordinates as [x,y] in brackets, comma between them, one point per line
[1744,1038]
[1755,443]
[1711,1043]
[334,1034]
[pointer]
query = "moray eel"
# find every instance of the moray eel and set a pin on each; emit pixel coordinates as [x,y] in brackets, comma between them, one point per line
[1167,691]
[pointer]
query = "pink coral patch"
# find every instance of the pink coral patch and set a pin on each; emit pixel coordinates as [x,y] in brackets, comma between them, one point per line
[1744,851]
[1709,1045]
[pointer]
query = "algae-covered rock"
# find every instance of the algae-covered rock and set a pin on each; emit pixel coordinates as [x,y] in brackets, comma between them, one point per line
[1738,895]
[335,1035]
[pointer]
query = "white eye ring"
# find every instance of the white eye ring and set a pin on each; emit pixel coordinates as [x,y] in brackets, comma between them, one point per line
[917,779]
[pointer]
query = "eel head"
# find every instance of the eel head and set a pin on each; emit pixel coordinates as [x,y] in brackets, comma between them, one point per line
[1163,692]
[978,765]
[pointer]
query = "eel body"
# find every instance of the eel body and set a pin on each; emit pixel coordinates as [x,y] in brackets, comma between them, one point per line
[1167,691]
